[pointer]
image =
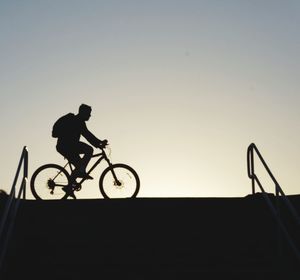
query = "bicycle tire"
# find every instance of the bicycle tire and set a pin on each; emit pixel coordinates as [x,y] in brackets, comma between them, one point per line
[40,181]
[126,175]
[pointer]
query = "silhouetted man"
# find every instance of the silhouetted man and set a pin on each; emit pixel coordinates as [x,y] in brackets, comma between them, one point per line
[68,130]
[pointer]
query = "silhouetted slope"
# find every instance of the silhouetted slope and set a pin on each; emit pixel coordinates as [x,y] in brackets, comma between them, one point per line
[150,238]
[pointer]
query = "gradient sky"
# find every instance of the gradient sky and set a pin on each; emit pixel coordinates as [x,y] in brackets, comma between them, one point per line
[179,88]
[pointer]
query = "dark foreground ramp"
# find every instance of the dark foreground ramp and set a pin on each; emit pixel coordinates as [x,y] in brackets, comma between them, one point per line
[150,238]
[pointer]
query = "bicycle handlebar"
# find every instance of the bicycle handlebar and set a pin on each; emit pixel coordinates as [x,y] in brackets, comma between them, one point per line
[103,144]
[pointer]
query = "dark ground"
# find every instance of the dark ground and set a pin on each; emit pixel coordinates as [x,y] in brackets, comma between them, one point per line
[150,238]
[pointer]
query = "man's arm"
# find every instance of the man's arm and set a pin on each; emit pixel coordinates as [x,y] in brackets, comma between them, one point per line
[91,137]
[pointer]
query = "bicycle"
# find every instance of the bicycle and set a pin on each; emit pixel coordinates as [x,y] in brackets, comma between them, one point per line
[52,181]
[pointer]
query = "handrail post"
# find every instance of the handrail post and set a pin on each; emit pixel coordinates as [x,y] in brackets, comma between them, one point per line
[250,166]
[25,172]
[279,230]
[252,170]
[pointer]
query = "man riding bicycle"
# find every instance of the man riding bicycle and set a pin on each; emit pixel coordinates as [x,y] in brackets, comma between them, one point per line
[68,130]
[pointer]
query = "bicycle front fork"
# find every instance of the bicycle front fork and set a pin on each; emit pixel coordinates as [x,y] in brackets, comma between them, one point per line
[116,181]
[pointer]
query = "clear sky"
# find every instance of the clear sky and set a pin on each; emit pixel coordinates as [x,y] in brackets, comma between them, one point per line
[179,88]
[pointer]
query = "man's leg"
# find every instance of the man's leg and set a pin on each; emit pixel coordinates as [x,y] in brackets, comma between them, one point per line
[87,152]
[70,154]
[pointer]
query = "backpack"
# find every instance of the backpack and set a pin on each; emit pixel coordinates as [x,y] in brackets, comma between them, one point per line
[62,125]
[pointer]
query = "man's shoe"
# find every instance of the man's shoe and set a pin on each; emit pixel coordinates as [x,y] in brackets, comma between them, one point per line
[81,174]
[87,176]
[68,190]
[84,175]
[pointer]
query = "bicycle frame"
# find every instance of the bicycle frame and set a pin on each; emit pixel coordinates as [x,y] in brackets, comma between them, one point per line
[101,156]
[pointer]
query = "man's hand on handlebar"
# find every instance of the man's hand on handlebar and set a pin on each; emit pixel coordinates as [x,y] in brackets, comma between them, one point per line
[103,144]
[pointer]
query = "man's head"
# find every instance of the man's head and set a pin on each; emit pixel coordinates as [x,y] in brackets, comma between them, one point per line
[84,112]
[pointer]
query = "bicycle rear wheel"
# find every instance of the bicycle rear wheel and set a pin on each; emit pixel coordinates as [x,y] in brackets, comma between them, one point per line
[126,184]
[48,181]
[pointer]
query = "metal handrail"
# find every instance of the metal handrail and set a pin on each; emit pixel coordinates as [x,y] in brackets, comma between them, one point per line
[278,191]
[12,205]
[251,174]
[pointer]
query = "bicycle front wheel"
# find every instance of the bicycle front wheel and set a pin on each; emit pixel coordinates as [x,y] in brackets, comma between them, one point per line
[48,181]
[119,181]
